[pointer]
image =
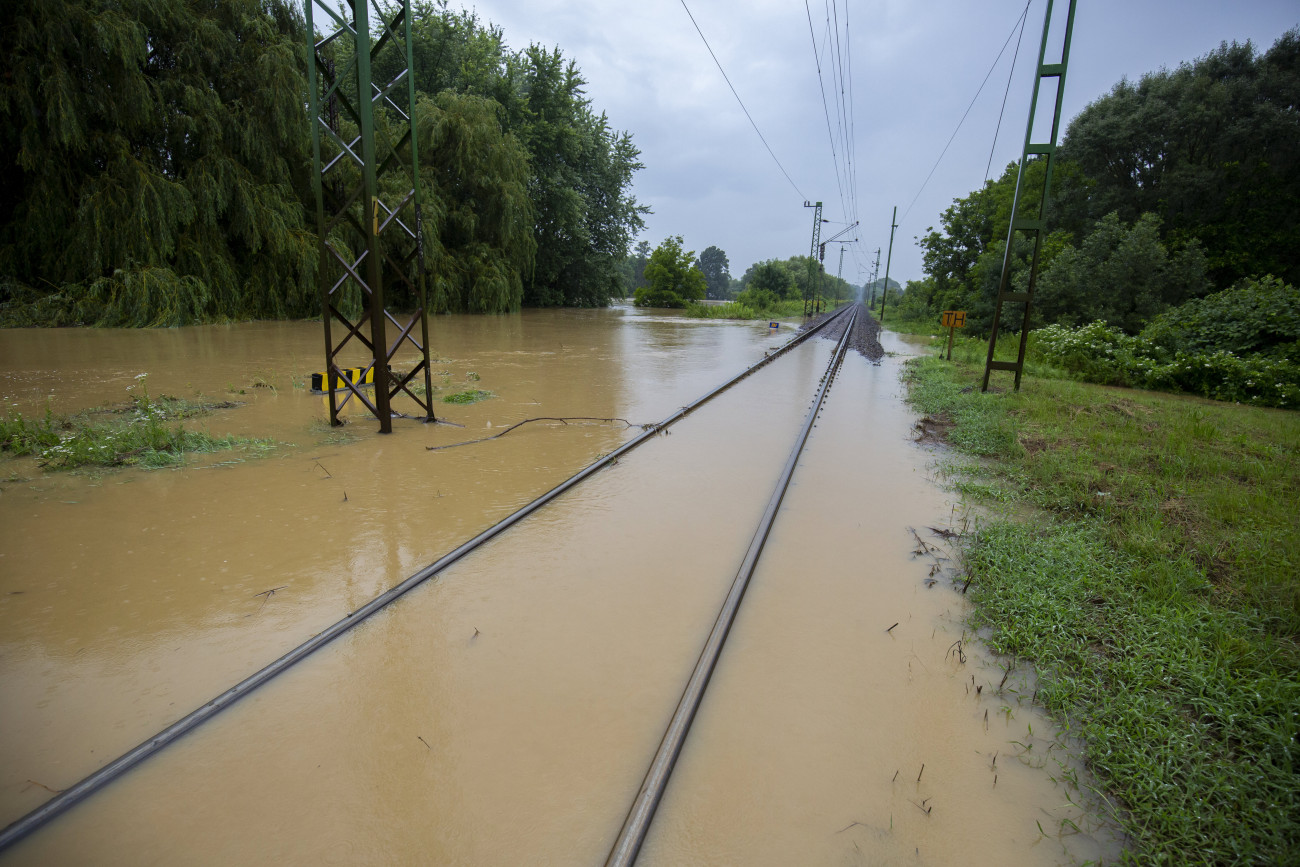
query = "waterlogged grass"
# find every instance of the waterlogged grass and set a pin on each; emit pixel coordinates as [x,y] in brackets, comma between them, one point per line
[147,432]
[471,395]
[739,310]
[1157,589]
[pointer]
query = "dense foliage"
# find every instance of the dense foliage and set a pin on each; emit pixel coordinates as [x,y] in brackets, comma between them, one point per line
[162,166]
[773,280]
[672,277]
[1163,190]
[160,162]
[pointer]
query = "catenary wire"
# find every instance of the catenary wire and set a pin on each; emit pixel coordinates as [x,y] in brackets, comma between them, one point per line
[742,102]
[1024,18]
[965,114]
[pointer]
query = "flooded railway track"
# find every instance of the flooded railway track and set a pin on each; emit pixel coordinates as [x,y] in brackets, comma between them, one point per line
[637,823]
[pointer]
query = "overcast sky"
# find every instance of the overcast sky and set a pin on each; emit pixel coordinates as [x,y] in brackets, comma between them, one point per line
[915,66]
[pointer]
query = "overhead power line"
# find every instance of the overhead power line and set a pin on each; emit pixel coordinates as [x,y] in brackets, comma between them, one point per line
[1019,19]
[742,102]
[1023,19]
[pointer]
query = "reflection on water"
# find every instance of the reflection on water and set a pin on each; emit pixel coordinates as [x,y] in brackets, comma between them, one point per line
[503,713]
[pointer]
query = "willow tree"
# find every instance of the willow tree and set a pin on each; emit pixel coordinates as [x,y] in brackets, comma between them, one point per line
[161,162]
[479,218]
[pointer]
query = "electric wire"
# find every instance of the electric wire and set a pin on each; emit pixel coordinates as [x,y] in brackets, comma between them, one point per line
[1024,18]
[741,102]
[965,114]
[821,82]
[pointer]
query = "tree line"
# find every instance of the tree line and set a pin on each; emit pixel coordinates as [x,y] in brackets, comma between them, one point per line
[162,166]
[671,276]
[1165,190]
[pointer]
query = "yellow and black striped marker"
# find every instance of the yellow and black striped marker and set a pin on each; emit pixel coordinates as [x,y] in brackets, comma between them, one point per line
[354,375]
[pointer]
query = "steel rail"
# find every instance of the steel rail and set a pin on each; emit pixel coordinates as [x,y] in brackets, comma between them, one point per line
[637,823]
[77,792]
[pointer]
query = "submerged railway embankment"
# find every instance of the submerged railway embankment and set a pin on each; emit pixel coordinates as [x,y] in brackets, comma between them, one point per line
[506,711]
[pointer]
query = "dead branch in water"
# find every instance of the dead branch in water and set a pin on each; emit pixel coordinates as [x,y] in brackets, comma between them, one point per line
[561,420]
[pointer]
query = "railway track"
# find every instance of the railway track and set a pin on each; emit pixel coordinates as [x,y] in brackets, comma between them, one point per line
[643,808]
[642,811]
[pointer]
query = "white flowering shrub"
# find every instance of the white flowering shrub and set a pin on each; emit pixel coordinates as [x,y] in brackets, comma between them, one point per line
[1105,355]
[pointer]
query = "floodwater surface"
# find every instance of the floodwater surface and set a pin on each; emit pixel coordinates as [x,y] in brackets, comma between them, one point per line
[505,711]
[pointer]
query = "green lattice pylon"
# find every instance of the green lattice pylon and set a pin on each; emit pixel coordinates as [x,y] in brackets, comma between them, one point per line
[363,132]
[1034,225]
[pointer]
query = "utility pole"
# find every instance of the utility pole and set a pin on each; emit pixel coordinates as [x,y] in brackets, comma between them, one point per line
[893,224]
[875,275]
[812,253]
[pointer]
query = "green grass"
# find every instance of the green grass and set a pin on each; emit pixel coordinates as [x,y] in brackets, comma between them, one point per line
[1156,585]
[147,432]
[471,395]
[738,310]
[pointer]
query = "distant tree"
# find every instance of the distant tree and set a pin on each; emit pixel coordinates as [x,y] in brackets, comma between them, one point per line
[672,277]
[772,276]
[713,262]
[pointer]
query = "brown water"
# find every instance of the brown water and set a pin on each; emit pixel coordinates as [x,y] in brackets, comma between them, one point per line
[503,713]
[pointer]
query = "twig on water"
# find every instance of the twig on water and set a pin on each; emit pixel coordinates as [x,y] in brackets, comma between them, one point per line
[891,629]
[921,806]
[46,788]
[266,595]
[918,776]
[850,825]
[423,741]
[561,420]
[328,474]
[955,649]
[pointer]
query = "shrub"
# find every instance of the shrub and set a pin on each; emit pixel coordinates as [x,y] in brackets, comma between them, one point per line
[1104,355]
[1254,316]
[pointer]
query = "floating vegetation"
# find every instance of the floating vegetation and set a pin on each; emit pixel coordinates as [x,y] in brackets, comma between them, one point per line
[146,431]
[471,395]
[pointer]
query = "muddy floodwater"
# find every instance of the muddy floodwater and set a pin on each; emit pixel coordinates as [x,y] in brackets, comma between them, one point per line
[505,711]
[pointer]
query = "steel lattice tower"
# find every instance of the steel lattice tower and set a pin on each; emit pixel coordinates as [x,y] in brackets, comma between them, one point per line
[363,132]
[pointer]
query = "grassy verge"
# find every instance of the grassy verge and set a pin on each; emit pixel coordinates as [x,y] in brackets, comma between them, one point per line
[738,310]
[1156,586]
[148,432]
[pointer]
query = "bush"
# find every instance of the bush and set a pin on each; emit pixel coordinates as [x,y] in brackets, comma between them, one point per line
[1104,355]
[1254,316]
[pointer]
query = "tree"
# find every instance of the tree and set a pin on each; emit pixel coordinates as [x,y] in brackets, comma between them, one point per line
[582,172]
[672,277]
[771,276]
[160,161]
[1212,148]
[713,262]
[480,218]
[1120,274]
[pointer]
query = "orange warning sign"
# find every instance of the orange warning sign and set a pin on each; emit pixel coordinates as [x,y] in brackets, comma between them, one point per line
[953,319]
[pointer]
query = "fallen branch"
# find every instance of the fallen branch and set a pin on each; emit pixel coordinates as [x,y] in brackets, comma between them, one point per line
[563,421]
